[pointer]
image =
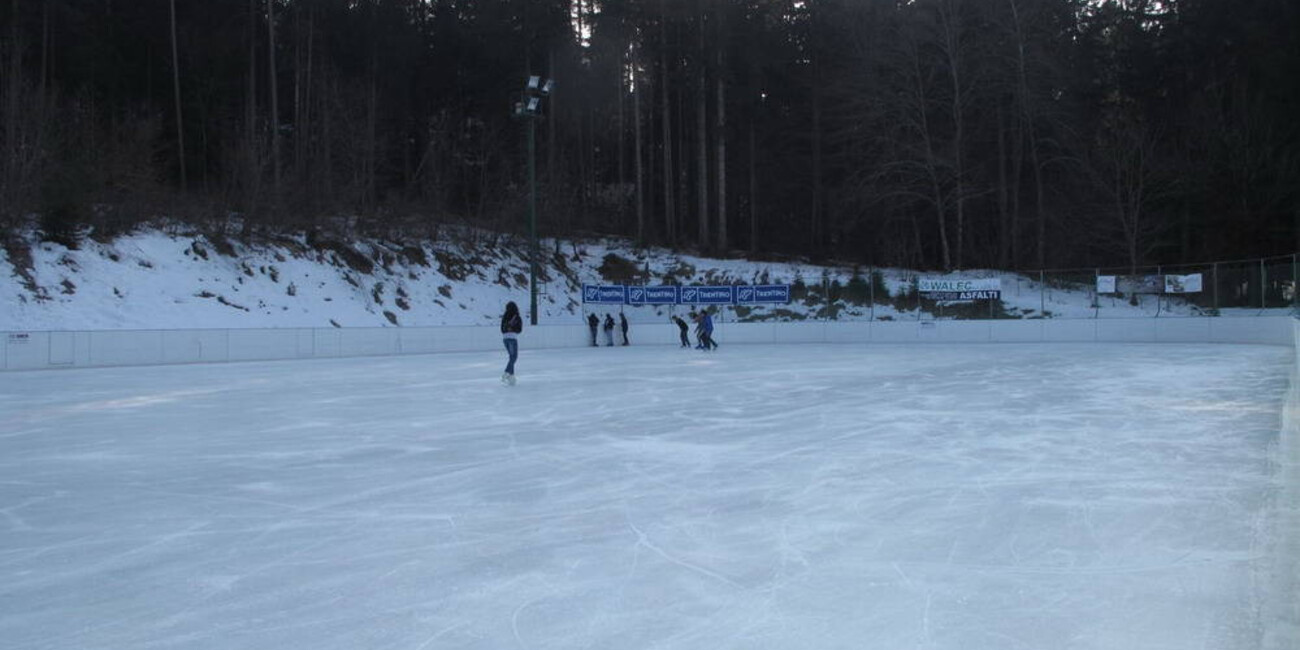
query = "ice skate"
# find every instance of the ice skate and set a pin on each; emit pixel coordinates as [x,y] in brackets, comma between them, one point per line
[510,380]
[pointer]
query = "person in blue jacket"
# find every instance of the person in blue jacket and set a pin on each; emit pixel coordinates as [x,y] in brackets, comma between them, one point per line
[706,322]
[511,326]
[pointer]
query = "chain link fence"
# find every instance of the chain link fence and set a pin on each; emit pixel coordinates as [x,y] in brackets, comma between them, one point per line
[1229,288]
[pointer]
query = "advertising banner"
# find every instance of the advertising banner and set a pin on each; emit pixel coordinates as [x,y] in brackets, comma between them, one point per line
[660,295]
[615,294]
[763,294]
[1153,284]
[959,289]
[1183,283]
[708,295]
[1106,284]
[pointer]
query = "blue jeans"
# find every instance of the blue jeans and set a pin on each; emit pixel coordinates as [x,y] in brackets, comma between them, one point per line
[512,348]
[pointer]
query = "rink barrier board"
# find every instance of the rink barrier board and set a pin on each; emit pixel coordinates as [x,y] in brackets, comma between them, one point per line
[1281,596]
[103,348]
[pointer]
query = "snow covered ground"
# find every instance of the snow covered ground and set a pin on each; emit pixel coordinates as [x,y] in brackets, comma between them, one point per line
[166,279]
[954,497]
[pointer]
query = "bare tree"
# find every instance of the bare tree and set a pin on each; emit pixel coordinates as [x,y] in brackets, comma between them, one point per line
[1126,175]
[637,88]
[952,59]
[720,135]
[176,90]
[275,97]
[670,220]
[701,135]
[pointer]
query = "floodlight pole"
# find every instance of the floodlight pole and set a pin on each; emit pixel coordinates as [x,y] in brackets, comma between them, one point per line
[528,108]
[532,220]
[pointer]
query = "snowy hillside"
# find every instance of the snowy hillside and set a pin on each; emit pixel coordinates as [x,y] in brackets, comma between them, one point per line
[157,279]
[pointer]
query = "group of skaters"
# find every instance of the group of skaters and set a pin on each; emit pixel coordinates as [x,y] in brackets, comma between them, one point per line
[512,324]
[703,330]
[593,323]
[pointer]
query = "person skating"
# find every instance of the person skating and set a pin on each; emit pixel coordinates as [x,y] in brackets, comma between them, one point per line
[609,330]
[622,323]
[511,326]
[684,331]
[706,323]
[698,319]
[593,322]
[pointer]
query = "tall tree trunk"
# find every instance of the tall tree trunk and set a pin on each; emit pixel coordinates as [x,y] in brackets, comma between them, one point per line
[248,168]
[818,225]
[640,172]
[949,13]
[176,92]
[1039,212]
[753,186]
[1004,206]
[552,108]
[1025,129]
[621,148]
[372,133]
[670,218]
[10,180]
[720,134]
[931,163]
[275,100]
[46,62]
[701,140]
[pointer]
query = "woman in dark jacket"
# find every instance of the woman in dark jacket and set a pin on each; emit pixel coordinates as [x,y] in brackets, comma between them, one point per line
[511,326]
[609,330]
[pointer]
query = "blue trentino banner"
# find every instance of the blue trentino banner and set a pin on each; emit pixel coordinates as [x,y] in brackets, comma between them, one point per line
[615,294]
[661,295]
[708,295]
[763,293]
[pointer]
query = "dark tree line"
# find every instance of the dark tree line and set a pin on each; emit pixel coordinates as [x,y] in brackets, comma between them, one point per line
[929,133]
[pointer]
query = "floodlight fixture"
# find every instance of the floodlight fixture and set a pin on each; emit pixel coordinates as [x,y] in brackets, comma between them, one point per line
[534,83]
[534,105]
[548,86]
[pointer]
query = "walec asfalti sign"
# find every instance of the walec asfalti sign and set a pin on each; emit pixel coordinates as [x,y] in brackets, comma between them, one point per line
[959,289]
[605,294]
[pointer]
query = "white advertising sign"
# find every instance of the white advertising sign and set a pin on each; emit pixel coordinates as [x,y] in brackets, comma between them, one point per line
[960,289]
[1183,283]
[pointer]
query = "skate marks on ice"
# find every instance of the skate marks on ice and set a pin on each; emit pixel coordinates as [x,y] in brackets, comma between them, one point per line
[761,497]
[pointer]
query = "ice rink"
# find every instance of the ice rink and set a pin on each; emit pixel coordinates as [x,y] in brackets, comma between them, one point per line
[978,497]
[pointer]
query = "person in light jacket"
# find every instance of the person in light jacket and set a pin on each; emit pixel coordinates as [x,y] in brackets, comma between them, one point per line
[511,326]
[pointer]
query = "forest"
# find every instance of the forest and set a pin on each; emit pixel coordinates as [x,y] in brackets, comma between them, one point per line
[929,134]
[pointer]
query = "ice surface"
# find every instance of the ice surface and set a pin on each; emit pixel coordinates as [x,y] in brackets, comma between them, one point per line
[956,497]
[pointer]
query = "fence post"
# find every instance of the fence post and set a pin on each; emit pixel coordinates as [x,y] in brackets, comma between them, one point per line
[1214,277]
[1263,285]
[826,292]
[1096,293]
[871,291]
[1042,293]
[1160,297]
[917,288]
